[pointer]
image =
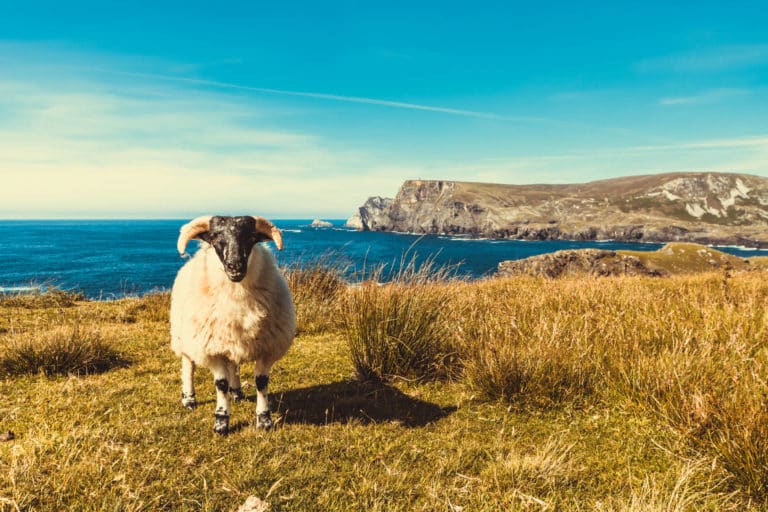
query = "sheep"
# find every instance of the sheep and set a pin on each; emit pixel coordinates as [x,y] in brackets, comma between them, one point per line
[229,305]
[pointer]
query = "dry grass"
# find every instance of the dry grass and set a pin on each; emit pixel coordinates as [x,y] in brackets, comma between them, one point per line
[575,394]
[59,350]
[316,285]
[400,328]
[48,298]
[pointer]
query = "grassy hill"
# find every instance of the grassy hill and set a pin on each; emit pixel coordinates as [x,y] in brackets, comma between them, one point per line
[612,394]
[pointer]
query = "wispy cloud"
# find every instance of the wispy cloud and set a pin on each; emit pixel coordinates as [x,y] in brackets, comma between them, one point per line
[360,100]
[740,154]
[83,150]
[716,59]
[704,97]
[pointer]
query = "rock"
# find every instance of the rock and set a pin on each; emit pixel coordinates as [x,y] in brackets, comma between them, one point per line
[317,223]
[732,209]
[254,504]
[577,262]
[372,216]
[7,436]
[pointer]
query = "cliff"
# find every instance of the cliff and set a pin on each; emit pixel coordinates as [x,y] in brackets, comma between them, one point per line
[711,208]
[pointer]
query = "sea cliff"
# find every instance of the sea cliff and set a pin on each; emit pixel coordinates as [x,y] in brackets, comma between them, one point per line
[708,208]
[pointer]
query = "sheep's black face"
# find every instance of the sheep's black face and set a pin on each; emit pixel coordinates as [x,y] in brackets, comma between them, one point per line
[232,238]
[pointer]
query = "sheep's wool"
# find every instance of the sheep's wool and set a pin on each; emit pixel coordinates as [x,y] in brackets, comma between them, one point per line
[212,316]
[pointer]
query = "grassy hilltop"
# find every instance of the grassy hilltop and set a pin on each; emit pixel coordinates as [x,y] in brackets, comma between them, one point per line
[629,393]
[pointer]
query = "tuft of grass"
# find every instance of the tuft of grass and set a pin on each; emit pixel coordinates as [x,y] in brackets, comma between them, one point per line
[316,285]
[61,350]
[40,299]
[400,328]
[154,306]
[526,347]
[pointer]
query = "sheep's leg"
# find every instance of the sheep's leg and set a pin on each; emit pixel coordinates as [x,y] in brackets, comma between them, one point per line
[220,370]
[263,417]
[235,390]
[188,383]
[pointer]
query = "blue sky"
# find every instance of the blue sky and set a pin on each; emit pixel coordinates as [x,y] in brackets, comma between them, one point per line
[173,109]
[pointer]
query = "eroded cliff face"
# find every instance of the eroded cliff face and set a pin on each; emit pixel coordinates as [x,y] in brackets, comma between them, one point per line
[372,216]
[715,208]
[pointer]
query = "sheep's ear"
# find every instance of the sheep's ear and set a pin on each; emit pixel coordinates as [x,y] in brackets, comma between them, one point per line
[265,230]
[196,228]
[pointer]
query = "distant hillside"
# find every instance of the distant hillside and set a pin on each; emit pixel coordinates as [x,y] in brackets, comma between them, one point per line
[710,208]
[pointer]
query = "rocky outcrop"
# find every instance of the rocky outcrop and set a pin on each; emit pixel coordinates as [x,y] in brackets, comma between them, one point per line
[707,208]
[317,223]
[372,216]
[578,262]
[675,258]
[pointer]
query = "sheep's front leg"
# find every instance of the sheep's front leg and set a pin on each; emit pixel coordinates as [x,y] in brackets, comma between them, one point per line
[235,390]
[220,370]
[188,383]
[263,417]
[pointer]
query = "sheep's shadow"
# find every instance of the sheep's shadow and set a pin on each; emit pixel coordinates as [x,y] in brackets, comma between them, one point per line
[351,400]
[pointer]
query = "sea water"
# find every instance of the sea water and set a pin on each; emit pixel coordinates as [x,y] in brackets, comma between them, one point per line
[114,258]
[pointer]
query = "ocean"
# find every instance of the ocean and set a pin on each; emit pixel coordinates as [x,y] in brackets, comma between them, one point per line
[112,258]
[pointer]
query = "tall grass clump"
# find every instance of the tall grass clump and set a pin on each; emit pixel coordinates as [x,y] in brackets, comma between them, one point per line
[690,351]
[316,285]
[522,342]
[703,369]
[400,327]
[61,350]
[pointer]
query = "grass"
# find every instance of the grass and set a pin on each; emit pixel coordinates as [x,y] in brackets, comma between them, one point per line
[400,328]
[620,394]
[316,284]
[59,350]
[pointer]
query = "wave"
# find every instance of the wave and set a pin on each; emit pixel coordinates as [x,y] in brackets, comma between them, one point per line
[19,289]
[291,230]
[739,248]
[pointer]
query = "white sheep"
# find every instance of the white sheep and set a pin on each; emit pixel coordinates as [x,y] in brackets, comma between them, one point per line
[230,304]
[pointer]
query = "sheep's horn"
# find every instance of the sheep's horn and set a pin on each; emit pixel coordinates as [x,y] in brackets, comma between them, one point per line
[269,230]
[191,230]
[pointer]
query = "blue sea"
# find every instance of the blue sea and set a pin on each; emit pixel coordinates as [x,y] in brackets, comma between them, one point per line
[113,258]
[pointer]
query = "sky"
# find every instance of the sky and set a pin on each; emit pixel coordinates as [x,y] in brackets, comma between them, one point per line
[304,109]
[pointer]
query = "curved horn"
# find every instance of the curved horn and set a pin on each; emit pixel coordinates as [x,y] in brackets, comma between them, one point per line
[191,230]
[269,230]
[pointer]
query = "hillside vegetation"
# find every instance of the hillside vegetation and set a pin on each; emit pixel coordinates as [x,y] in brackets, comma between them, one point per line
[629,393]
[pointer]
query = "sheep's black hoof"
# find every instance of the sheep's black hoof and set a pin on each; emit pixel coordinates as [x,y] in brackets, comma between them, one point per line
[237,394]
[188,400]
[221,424]
[264,421]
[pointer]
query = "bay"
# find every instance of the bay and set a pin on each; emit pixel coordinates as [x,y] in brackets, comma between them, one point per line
[113,258]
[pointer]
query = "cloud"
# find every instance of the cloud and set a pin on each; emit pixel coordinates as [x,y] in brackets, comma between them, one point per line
[704,97]
[85,148]
[741,154]
[710,60]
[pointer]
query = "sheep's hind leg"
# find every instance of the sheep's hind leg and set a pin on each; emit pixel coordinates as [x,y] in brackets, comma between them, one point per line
[235,391]
[220,371]
[263,417]
[188,383]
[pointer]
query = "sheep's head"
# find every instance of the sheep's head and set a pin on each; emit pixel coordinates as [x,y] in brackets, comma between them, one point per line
[232,238]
